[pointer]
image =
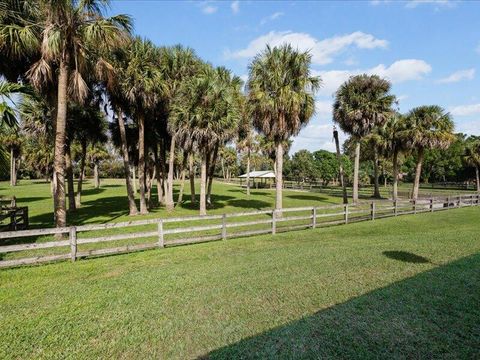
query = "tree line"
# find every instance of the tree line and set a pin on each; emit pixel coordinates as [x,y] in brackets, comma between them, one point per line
[91,88]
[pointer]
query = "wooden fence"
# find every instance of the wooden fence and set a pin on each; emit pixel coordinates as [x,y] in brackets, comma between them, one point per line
[171,231]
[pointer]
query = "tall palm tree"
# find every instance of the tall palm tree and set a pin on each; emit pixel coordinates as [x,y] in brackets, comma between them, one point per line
[142,85]
[246,136]
[68,35]
[281,93]
[361,104]
[472,158]
[427,127]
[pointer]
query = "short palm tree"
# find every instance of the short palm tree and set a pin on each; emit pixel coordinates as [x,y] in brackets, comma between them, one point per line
[67,37]
[361,104]
[426,127]
[281,95]
[472,158]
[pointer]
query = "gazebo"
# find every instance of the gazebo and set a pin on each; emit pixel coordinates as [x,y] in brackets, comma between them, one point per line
[262,175]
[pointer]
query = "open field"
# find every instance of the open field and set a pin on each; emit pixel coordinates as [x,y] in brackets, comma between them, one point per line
[399,287]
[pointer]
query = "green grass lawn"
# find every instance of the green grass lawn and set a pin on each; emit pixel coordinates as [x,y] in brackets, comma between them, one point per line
[406,287]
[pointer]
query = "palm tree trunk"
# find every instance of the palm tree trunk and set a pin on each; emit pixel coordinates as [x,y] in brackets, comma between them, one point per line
[141,163]
[477,173]
[132,207]
[133,169]
[418,173]
[356,170]
[78,199]
[248,171]
[211,173]
[96,177]
[191,175]
[158,176]
[376,192]
[70,184]
[279,177]
[12,167]
[60,210]
[395,175]
[340,167]
[203,184]
[171,160]
[182,179]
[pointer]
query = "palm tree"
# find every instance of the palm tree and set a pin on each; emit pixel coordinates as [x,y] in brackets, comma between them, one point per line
[142,84]
[472,158]
[361,104]
[246,137]
[427,127]
[68,36]
[7,111]
[340,166]
[281,96]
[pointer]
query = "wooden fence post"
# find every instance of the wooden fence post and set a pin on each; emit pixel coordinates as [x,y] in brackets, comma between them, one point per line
[161,242]
[224,227]
[314,217]
[345,213]
[395,208]
[431,204]
[372,211]
[73,242]
[274,222]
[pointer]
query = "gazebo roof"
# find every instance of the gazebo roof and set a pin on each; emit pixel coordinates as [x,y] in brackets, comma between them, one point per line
[259,174]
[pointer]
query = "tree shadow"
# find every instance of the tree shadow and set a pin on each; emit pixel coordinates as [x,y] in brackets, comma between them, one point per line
[310,198]
[249,204]
[406,256]
[431,315]
[253,192]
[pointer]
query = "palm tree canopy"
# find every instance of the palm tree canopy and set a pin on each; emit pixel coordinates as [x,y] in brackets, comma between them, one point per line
[8,115]
[363,103]
[472,154]
[281,91]
[428,127]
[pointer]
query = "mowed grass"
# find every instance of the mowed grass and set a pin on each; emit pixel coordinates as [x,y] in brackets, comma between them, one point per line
[406,287]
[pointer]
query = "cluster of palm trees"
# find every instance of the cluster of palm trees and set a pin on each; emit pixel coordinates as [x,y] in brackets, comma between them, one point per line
[167,106]
[364,109]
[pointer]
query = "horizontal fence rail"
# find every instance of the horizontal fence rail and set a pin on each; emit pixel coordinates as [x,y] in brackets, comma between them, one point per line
[173,231]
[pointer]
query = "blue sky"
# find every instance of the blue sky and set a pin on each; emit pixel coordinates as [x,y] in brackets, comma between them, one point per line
[429,49]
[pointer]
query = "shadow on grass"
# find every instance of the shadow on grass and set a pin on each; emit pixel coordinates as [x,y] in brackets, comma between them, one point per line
[406,256]
[249,204]
[253,192]
[432,315]
[309,198]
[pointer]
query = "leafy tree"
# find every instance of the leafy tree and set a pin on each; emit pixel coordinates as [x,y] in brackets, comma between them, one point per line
[361,104]
[327,165]
[472,158]
[281,95]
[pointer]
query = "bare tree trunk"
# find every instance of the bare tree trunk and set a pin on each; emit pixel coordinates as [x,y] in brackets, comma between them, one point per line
[192,178]
[171,160]
[477,173]
[70,185]
[158,176]
[132,207]
[141,163]
[96,177]
[418,173]
[203,184]
[279,178]
[340,167]
[78,199]
[133,169]
[248,171]
[395,175]
[376,192]
[60,210]
[356,172]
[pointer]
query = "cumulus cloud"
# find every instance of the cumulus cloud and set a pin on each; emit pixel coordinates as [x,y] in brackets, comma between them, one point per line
[465,110]
[323,51]
[457,76]
[397,72]
[315,136]
[235,6]
[272,17]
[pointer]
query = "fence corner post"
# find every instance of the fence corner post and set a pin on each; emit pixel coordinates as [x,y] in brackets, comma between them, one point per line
[161,242]
[224,227]
[314,217]
[274,222]
[372,210]
[73,242]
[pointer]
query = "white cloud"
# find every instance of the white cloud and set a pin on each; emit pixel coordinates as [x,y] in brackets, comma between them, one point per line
[209,9]
[414,3]
[235,6]
[315,136]
[459,75]
[323,107]
[272,17]
[465,110]
[468,127]
[323,51]
[397,72]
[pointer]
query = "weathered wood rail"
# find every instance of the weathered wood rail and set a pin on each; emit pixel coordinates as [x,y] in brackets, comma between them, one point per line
[257,222]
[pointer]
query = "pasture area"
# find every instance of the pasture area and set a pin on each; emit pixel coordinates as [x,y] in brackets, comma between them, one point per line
[406,287]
